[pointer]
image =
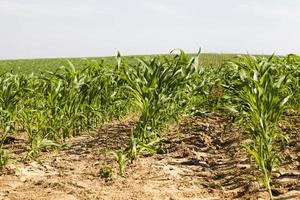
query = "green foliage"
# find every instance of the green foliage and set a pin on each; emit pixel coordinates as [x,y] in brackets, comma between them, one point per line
[121,159]
[291,65]
[264,97]
[12,93]
[74,96]
[158,88]
[53,106]
[4,158]
[37,144]
[28,66]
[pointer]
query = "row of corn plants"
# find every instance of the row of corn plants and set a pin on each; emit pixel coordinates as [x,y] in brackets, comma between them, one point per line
[12,92]
[53,106]
[56,105]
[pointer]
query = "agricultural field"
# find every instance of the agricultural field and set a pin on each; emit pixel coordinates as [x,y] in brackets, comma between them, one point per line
[29,66]
[177,126]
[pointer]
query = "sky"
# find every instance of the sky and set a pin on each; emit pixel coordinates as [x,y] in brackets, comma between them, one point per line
[84,28]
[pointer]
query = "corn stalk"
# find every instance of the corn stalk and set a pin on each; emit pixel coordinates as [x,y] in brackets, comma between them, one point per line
[264,101]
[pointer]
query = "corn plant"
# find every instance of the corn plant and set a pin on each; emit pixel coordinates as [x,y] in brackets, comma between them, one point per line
[38,130]
[205,91]
[12,89]
[156,87]
[4,158]
[121,159]
[291,65]
[264,100]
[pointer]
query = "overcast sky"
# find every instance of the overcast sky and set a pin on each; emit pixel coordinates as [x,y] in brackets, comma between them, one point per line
[82,28]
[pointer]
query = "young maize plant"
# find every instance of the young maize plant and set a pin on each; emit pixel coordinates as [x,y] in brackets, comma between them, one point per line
[205,91]
[12,90]
[292,66]
[264,98]
[38,130]
[157,87]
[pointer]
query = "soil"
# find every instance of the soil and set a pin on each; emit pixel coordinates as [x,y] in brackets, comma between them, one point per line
[203,160]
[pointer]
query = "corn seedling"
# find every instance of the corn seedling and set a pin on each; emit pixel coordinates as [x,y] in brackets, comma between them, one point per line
[121,160]
[4,158]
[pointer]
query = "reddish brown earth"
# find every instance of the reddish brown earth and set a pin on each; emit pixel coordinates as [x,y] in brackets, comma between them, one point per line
[202,162]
